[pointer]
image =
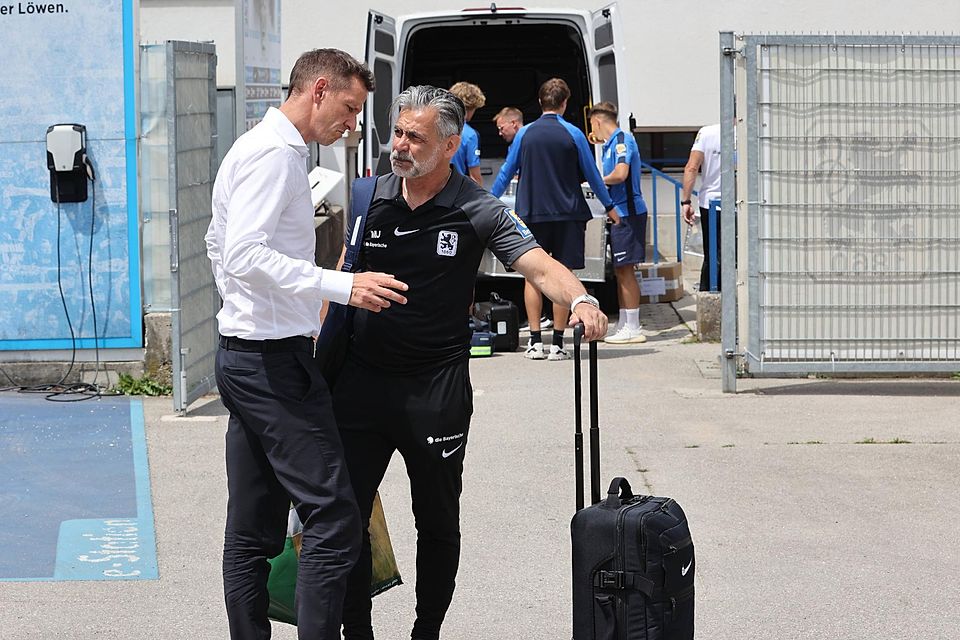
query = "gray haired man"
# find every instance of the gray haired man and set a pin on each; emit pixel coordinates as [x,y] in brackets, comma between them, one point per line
[428,225]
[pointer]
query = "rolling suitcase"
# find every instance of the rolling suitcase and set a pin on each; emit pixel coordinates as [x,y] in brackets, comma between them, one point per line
[633,559]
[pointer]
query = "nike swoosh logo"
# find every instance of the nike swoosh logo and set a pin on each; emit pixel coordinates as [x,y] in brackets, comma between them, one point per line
[684,570]
[447,454]
[398,233]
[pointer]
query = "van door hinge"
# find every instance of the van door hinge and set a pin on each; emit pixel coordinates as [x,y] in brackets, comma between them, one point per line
[730,51]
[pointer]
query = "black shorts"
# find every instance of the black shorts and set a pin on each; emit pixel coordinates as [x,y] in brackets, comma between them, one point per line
[563,240]
[628,240]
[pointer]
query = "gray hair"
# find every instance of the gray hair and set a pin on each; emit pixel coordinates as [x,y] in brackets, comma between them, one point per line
[450,110]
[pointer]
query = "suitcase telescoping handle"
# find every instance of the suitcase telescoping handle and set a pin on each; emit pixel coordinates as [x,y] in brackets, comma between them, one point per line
[578,422]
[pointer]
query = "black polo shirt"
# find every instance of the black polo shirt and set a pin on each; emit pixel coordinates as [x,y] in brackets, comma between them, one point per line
[436,249]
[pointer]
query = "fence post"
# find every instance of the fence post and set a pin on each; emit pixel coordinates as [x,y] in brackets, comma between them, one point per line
[728,297]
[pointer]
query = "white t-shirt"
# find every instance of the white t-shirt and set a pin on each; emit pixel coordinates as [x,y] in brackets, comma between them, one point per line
[708,143]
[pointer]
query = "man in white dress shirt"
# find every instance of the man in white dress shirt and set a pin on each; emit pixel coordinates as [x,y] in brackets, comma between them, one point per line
[282,443]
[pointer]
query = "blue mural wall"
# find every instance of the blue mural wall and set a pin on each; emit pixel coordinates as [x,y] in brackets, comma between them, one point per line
[68,62]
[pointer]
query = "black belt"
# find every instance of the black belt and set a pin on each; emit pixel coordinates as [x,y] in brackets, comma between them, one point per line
[281,345]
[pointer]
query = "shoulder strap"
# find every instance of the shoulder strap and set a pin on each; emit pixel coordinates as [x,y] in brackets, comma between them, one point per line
[362,198]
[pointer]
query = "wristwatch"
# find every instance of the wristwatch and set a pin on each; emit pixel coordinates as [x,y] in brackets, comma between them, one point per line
[584,297]
[683,202]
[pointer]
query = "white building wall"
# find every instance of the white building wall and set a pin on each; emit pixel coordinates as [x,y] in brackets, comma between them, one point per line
[673,55]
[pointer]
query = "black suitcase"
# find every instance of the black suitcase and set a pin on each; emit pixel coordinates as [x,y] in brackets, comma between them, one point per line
[504,319]
[633,560]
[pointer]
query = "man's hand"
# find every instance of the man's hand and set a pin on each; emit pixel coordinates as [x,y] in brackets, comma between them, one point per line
[689,214]
[594,321]
[375,291]
[614,216]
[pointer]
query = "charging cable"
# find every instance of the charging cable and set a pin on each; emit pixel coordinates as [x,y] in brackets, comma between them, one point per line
[59,391]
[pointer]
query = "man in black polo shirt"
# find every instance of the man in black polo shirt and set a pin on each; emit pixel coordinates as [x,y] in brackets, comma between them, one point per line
[406,384]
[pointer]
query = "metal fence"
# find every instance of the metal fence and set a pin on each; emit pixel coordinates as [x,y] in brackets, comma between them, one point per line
[180,162]
[848,164]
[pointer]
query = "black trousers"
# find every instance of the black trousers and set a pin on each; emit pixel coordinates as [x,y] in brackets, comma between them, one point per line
[426,418]
[282,446]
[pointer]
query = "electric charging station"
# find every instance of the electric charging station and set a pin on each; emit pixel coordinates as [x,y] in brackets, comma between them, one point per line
[67,160]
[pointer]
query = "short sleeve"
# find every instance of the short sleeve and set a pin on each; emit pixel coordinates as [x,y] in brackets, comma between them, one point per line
[698,142]
[472,150]
[621,150]
[501,229]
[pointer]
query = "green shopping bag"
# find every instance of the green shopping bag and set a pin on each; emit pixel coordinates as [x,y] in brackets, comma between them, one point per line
[282,583]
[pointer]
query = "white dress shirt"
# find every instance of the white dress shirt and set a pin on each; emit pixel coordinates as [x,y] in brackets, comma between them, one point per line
[261,240]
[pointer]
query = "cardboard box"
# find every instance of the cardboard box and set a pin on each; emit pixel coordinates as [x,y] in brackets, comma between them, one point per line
[660,282]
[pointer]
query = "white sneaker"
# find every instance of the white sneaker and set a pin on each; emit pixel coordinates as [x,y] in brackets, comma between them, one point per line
[545,323]
[534,351]
[557,353]
[626,335]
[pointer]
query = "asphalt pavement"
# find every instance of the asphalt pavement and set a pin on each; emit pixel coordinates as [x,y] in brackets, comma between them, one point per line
[819,508]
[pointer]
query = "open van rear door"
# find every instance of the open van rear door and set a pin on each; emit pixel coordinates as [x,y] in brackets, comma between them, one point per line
[382,60]
[609,57]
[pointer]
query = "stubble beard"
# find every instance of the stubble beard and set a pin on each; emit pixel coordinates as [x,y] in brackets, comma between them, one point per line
[416,168]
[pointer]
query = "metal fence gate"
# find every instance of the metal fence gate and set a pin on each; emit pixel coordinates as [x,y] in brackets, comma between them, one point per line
[849,169]
[180,163]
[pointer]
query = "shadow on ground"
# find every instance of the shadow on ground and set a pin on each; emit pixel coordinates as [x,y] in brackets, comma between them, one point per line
[897,388]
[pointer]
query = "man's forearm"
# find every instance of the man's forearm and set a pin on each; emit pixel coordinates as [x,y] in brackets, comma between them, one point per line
[689,179]
[618,175]
[549,276]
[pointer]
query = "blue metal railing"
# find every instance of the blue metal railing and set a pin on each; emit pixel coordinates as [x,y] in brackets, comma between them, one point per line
[656,174]
[712,221]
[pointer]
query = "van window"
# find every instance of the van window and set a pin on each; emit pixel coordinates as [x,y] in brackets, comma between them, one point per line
[608,78]
[381,117]
[603,36]
[384,93]
[508,61]
[383,43]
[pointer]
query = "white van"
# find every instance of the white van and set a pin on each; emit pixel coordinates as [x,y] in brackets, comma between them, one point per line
[508,53]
